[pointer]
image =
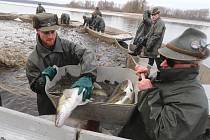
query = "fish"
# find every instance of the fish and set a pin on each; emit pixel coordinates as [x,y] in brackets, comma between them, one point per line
[129,94]
[123,93]
[67,103]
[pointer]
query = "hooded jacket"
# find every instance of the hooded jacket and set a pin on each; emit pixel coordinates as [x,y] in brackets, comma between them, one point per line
[175,109]
[64,53]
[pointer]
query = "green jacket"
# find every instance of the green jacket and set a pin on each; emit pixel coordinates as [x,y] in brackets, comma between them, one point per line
[98,12]
[154,39]
[143,28]
[64,53]
[99,24]
[175,109]
[40,9]
[65,18]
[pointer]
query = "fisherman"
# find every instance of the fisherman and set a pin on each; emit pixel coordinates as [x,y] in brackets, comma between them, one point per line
[99,24]
[52,50]
[154,39]
[174,105]
[98,12]
[87,21]
[65,18]
[40,8]
[140,37]
[93,17]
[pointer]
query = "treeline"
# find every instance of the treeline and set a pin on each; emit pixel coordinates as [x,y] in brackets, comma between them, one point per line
[135,6]
[201,14]
[138,6]
[103,5]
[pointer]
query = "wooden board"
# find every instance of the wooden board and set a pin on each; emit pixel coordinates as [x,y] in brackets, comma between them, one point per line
[110,37]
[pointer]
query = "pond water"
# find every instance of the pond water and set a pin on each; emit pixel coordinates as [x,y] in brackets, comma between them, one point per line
[174,27]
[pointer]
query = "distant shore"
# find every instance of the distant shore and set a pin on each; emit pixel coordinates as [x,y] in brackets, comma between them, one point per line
[119,14]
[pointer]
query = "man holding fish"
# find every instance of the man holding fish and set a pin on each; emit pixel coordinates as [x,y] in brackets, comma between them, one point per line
[172,106]
[52,52]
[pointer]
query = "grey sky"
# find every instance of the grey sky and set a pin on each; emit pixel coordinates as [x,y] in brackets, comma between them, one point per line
[178,4]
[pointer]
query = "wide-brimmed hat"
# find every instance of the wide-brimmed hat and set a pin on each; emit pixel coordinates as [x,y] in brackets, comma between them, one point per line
[155,11]
[45,22]
[191,45]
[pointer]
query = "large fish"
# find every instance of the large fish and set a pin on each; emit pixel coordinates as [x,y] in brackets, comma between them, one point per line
[67,103]
[123,94]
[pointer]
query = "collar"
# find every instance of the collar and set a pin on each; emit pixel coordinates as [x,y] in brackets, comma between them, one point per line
[177,74]
[43,51]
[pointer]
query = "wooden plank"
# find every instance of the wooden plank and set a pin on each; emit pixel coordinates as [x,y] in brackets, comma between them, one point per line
[19,126]
[88,135]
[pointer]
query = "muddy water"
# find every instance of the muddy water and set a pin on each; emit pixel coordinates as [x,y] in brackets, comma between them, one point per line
[14,87]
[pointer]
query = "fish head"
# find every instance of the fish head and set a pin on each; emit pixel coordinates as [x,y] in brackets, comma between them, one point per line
[67,103]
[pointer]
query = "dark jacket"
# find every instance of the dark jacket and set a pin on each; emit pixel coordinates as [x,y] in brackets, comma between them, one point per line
[99,24]
[98,12]
[64,53]
[87,21]
[155,38]
[175,109]
[65,18]
[143,28]
[40,9]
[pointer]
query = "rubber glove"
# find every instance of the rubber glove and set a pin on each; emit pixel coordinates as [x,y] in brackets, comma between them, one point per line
[86,83]
[50,72]
[141,69]
[144,84]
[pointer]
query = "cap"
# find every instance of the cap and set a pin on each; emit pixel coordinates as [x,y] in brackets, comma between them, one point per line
[155,11]
[45,21]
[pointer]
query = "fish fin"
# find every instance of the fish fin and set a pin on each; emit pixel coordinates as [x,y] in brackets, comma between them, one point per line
[97,86]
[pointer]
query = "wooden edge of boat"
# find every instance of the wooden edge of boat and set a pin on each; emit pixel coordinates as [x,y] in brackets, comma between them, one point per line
[17,125]
[102,36]
[8,16]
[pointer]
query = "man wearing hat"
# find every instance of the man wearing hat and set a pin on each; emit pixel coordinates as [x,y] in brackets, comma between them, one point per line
[174,104]
[40,8]
[154,38]
[87,21]
[140,37]
[50,52]
[98,12]
[99,24]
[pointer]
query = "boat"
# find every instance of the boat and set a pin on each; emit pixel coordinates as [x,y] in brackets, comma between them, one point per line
[21,126]
[110,35]
[8,16]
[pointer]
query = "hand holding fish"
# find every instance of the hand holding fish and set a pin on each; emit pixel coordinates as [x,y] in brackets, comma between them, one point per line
[79,94]
[84,83]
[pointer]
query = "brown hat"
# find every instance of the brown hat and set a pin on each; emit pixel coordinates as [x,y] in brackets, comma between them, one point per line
[155,11]
[45,21]
[191,45]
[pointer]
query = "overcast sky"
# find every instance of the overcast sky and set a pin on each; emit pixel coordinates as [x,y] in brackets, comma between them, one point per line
[178,4]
